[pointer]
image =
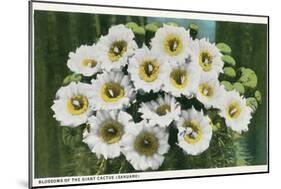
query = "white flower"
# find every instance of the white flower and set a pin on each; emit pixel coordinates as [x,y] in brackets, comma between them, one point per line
[172,43]
[181,79]
[144,146]
[106,131]
[85,60]
[195,131]
[116,47]
[210,92]
[235,111]
[73,104]
[146,70]
[207,56]
[112,90]
[162,111]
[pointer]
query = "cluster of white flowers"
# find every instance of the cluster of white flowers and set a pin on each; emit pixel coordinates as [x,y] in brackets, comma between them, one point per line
[175,64]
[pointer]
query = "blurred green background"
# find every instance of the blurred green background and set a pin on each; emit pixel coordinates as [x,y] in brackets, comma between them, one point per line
[58,33]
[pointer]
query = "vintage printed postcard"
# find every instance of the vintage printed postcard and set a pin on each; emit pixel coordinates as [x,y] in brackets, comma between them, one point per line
[121,94]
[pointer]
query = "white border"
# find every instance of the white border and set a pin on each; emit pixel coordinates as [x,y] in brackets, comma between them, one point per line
[147,13]
[31,169]
[144,175]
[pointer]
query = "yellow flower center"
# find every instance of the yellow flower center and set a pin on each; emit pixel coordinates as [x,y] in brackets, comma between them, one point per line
[111,132]
[146,144]
[173,44]
[233,110]
[89,63]
[112,92]
[193,132]
[205,60]
[77,105]
[178,78]
[117,50]
[206,90]
[163,109]
[149,70]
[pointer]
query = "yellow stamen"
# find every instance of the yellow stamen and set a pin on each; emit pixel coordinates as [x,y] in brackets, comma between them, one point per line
[146,144]
[77,105]
[111,132]
[117,50]
[193,132]
[89,63]
[206,90]
[163,109]
[205,60]
[233,110]
[112,92]
[178,78]
[173,44]
[149,70]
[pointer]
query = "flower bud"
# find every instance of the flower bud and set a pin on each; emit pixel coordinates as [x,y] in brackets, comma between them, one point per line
[193,30]
[224,48]
[228,60]
[252,103]
[227,85]
[258,96]
[230,72]
[239,87]
[248,78]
